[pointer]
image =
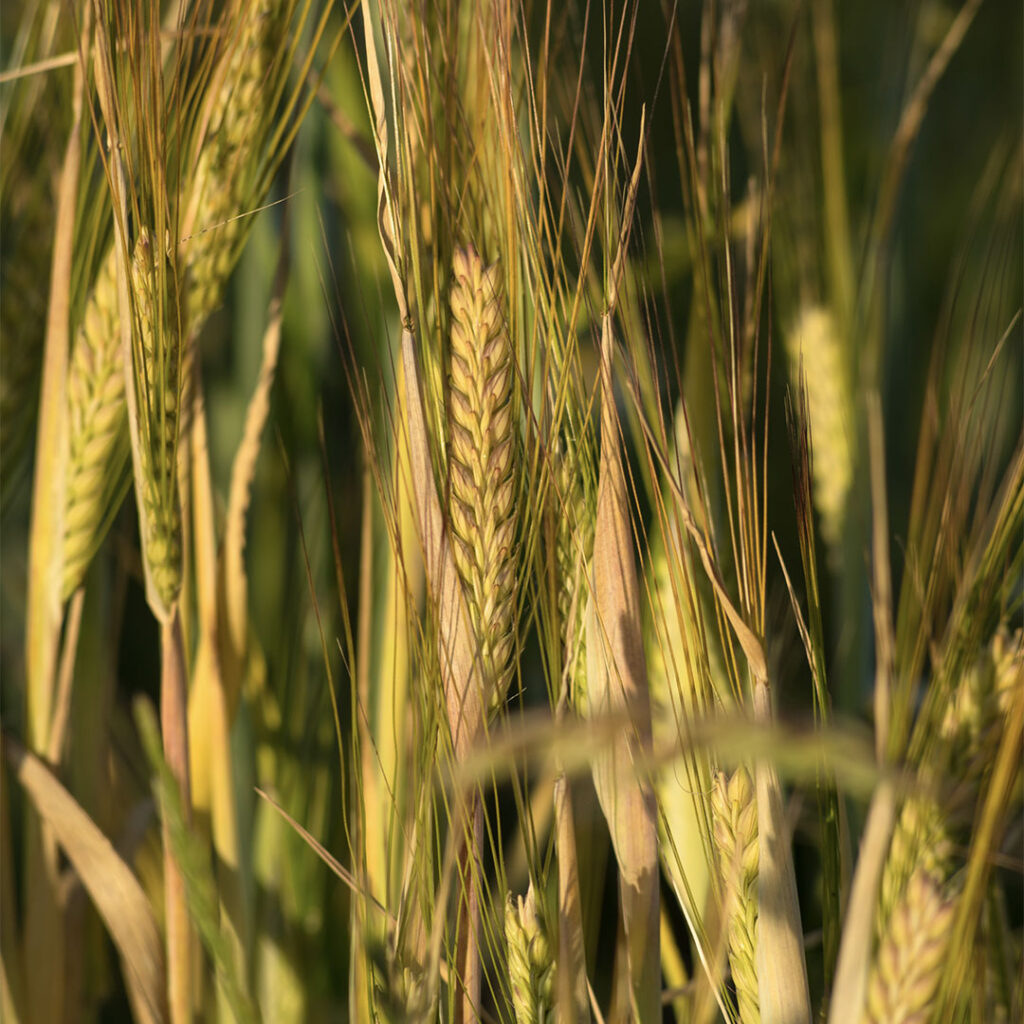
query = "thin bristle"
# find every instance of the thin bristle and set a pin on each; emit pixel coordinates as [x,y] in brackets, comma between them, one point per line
[574,542]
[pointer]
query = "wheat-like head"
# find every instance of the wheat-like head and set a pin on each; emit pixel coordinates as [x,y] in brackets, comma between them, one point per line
[734,816]
[907,969]
[574,541]
[814,343]
[223,185]
[481,464]
[227,177]
[157,372]
[954,768]
[531,963]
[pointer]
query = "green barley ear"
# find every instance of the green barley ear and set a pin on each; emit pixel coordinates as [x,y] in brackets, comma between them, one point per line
[156,363]
[574,543]
[908,966]
[400,992]
[482,513]
[531,964]
[734,813]
[954,766]
[231,175]
[97,439]
[814,345]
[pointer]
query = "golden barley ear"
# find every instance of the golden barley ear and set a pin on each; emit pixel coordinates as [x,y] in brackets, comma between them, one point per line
[531,963]
[157,362]
[814,348]
[482,500]
[908,966]
[227,180]
[734,815]
[954,768]
[230,177]
[97,439]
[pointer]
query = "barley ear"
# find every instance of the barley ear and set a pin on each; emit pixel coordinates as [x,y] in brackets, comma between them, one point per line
[228,179]
[920,840]
[814,346]
[734,813]
[155,365]
[481,466]
[531,965]
[908,966]
[97,441]
[574,543]
[617,684]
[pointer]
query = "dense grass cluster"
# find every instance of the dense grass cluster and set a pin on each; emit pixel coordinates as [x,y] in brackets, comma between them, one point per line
[511,511]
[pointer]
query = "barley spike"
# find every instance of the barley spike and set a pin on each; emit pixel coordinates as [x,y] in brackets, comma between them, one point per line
[481,465]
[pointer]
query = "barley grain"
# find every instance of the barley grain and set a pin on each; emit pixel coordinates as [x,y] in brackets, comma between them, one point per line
[157,364]
[229,168]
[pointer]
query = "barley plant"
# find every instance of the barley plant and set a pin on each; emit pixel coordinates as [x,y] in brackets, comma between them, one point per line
[511,510]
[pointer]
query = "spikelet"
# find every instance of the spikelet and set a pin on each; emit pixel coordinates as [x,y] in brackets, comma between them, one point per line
[734,814]
[481,466]
[905,975]
[815,343]
[531,964]
[973,721]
